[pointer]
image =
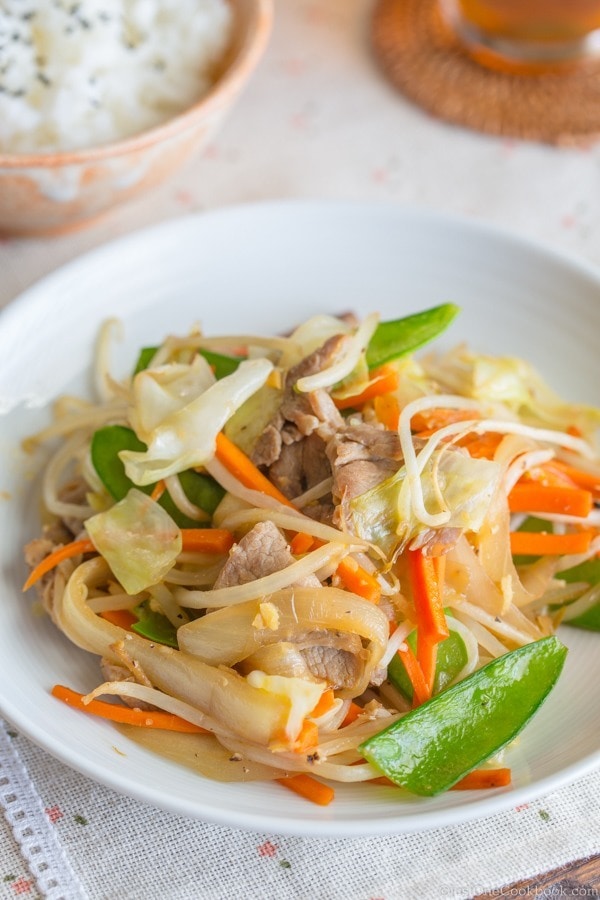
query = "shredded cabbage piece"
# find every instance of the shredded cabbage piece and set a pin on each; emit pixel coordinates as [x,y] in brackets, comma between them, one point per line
[385,515]
[516,384]
[183,435]
[138,539]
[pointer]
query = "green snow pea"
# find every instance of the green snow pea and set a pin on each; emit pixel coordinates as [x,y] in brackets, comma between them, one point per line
[451,658]
[144,359]
[106,445]
[222,364]
[400,336]
[154,626]
[586,571]
[435,745]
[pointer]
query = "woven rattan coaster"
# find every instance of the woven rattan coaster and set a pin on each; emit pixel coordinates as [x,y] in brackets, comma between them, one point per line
[422,57]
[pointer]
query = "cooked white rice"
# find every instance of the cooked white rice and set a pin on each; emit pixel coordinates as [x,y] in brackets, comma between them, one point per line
[81,74]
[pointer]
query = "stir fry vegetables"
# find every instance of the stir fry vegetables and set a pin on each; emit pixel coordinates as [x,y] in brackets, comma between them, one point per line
[320,555]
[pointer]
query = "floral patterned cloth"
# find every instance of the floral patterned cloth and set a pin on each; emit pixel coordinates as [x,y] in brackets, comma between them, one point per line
[318,120]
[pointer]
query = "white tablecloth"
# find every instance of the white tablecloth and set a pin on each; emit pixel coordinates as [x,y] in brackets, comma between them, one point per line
[318,121]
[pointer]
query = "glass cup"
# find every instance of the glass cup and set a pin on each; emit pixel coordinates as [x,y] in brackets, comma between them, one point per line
[526,33]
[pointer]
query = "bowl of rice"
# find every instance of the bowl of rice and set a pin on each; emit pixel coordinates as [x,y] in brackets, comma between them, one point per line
[101,102]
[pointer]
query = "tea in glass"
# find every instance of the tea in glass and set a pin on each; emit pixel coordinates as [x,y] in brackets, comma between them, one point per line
[534,31]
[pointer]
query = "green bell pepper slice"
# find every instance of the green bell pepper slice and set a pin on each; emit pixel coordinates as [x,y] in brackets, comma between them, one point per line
[107,443]
[435,745]
[401,336]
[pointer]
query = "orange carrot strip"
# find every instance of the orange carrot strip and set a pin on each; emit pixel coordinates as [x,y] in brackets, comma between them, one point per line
[125,714]
[387,410]
[207,540]
[532,497]
[358,580]
[121,617]
[308,737]
[354,711]
[382,381]
[158,490]
[325,703]
[548,476]
[524,543]
[427,596]
[427,656]
[309,788]
[483,778]
[582,479]
[421,690]
[236,461]
[477,780]
[426,579]
[301,543]
[75,548]
[481,446]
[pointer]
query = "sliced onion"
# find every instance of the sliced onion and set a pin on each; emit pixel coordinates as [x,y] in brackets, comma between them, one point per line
[467,577]
[217,692]
[230,635]
[495,556]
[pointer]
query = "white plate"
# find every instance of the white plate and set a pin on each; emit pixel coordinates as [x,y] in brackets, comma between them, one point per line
[265,268]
